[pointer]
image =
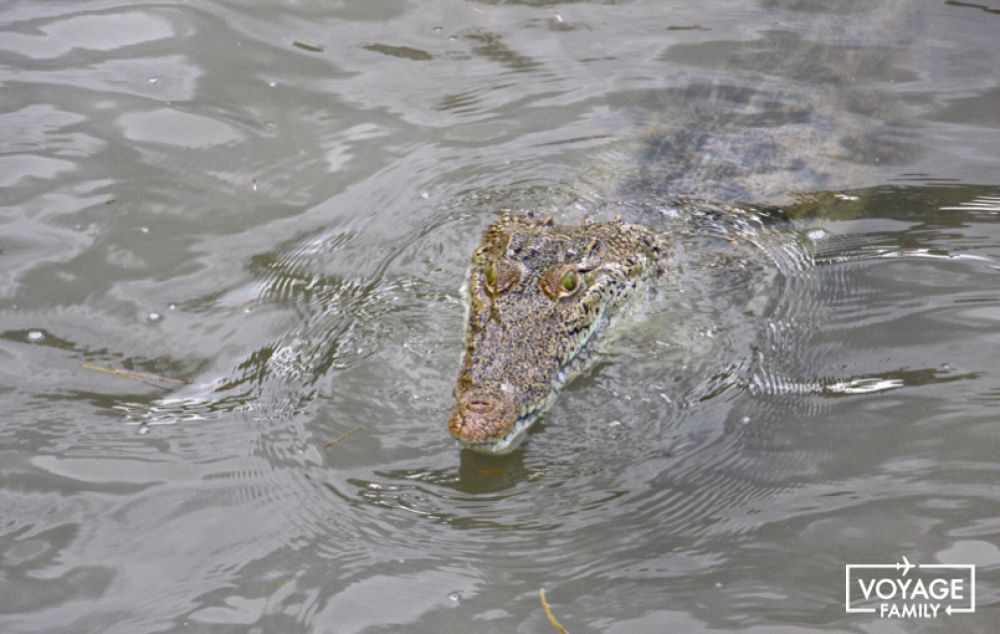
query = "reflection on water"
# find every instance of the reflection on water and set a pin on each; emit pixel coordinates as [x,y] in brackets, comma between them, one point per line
[267,212]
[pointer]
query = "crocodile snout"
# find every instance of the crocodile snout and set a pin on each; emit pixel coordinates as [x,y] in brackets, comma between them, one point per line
[482,416]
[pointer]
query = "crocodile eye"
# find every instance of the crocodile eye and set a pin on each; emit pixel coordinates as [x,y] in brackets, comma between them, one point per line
[501,276]
[560,282]
[569,281]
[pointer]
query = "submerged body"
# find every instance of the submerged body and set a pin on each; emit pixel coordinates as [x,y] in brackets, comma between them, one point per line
[542,298]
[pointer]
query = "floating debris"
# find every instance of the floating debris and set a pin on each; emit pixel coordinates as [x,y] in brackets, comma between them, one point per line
[154,317]
[548,613]
[312,48]
[155,380]
[36,336]
[404,52]
[344,436]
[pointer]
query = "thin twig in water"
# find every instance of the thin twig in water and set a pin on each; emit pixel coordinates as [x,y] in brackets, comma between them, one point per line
[155,380]
[548,613]
[344,436]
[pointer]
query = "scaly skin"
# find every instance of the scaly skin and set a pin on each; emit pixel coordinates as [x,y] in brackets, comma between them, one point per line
[541,299]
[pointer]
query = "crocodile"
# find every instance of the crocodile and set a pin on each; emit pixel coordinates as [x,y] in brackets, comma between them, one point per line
[543,297]
[763,126]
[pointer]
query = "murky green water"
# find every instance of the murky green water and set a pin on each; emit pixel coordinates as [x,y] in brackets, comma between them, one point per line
[275,203]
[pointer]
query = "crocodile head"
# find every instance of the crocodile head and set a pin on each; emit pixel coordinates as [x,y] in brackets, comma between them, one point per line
[541,299]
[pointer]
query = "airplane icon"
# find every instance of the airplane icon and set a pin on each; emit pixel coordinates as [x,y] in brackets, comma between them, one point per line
[905,565]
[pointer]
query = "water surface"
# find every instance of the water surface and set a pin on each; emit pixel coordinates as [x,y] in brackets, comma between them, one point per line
[270,208]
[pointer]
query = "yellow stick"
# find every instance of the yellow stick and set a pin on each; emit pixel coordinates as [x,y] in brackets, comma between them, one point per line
[548,613]
[142,377]
[344,436]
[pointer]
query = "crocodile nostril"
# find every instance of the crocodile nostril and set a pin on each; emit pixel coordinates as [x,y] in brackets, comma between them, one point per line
[479,405]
